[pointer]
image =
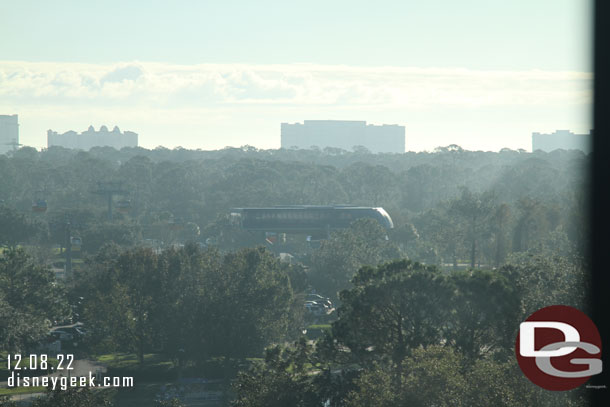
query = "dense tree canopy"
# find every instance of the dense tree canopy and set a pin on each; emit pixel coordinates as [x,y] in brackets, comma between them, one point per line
[424,314]
[30,301]
[408,334]
[191,302]
[537,193]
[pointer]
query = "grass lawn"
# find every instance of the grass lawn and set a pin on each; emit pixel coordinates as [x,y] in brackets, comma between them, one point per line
[21,390]
[129,361]
[320,326]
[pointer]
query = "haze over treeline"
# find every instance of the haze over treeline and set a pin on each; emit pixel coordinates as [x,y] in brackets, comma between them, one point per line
[201,186]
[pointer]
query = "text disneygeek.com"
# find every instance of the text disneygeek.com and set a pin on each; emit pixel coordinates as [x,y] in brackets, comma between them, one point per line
[63,382]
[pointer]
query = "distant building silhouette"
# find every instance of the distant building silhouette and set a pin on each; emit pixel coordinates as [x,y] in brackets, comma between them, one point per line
[91,138]
[562,139]
[345,135]
[9,133]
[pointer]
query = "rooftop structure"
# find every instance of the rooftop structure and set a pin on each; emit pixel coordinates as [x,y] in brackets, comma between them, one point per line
[9,133]
[562,139]
[91,138]
[344,134]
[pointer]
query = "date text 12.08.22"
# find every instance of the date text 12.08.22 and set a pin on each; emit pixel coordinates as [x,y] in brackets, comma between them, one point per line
[39,362]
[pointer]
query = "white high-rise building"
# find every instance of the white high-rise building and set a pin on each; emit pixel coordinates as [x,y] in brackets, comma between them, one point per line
[9,133]
[91,138]
[562,139]
[344,134]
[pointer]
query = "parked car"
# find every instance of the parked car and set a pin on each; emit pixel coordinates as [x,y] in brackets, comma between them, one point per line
[314,297]
[319,299]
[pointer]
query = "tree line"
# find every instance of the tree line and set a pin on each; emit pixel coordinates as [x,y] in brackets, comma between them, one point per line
[426,314]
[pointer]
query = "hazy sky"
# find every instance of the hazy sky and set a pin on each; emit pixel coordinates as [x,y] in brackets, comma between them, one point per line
[483,74]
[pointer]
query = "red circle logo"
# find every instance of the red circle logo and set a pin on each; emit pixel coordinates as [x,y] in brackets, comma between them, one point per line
[558,348]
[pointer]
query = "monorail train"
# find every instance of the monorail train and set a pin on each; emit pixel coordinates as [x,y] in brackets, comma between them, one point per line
[306,218]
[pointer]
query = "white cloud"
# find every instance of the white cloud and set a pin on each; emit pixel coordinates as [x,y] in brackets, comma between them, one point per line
[246,103]
[201,85]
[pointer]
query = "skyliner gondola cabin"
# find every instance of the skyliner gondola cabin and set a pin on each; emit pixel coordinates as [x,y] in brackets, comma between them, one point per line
[306,218]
